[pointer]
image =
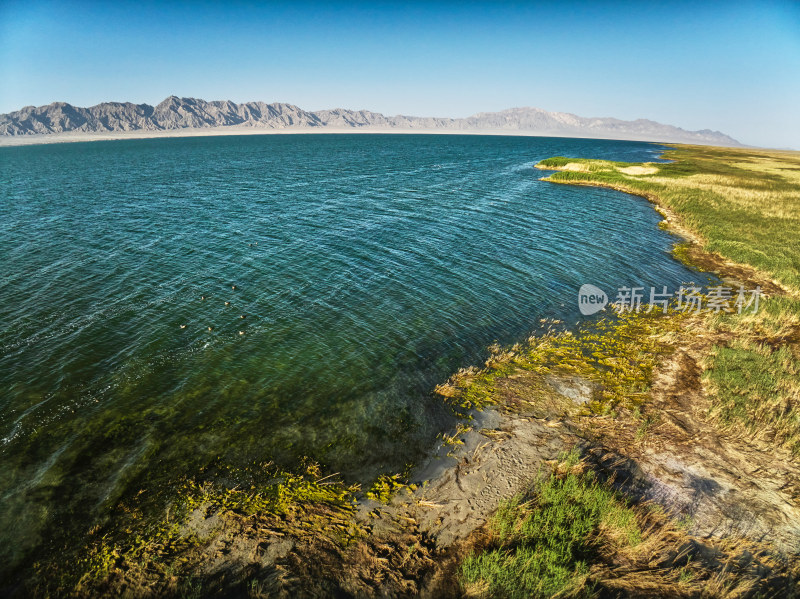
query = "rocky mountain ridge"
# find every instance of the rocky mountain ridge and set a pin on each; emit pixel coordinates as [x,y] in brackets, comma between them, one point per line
[190,113]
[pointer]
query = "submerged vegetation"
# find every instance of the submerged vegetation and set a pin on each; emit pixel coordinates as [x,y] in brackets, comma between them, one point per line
[615,355]
[136,549]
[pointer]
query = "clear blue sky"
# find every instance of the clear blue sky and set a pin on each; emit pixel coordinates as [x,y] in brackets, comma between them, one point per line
[729,66]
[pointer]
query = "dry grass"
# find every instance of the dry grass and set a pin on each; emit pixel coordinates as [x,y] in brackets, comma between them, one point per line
[572,536]
[638,170]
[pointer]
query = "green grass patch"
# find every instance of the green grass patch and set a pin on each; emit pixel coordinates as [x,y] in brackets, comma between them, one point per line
[758,386]
[754,379]
[543,543]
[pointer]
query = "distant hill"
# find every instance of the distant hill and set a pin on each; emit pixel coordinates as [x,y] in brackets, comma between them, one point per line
[189,113]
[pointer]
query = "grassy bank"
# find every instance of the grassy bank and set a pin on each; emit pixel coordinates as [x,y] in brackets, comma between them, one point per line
[741,212]
[738,212]
[740,205]
[541,542]
[574,536]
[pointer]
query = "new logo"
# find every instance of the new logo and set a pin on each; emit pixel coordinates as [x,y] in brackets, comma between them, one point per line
[591,299]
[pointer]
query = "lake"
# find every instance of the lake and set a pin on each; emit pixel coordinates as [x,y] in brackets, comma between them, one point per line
[167,304]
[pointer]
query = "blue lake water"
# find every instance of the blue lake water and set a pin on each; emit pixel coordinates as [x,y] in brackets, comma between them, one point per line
[368,269]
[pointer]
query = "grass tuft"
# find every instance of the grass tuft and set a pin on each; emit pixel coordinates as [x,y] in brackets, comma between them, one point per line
[542,543]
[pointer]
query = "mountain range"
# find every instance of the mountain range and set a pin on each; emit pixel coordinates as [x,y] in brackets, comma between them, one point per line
[175,114]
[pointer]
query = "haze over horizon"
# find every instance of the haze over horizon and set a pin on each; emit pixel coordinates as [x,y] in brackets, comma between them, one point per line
[734,68]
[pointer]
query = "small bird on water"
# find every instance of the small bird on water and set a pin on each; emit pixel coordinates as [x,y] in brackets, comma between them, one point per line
[183,326]
[227,303]
[241,332]
[242,316]
[210,328]
[233,286]
[202,297]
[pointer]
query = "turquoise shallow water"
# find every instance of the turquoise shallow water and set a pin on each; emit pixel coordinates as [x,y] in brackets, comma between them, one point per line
[368,268]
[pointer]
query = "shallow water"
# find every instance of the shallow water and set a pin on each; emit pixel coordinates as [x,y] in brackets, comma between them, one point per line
[368,268]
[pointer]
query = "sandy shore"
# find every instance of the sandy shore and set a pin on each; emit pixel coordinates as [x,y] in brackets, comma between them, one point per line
[51,138]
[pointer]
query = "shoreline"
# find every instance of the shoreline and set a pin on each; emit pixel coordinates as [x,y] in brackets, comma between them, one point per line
[236,130]
[696,254]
